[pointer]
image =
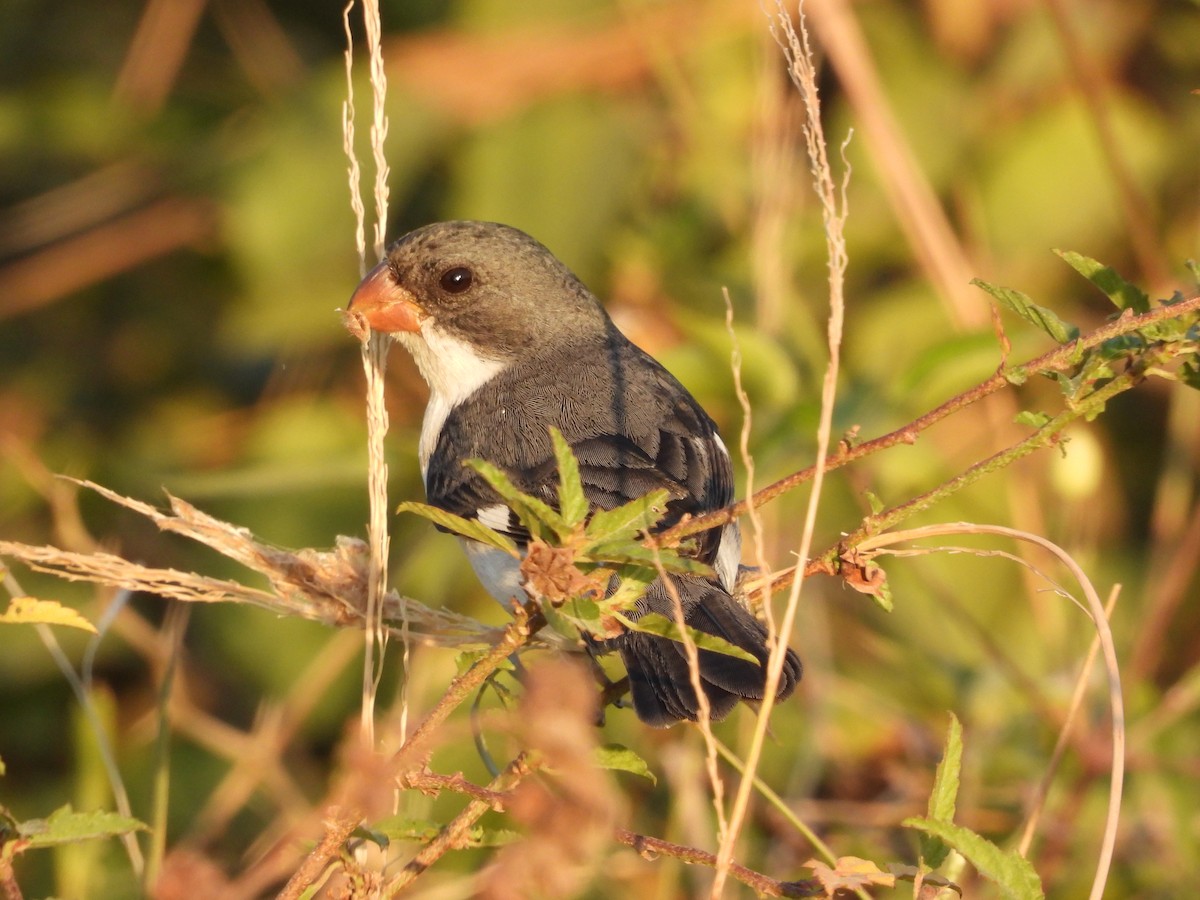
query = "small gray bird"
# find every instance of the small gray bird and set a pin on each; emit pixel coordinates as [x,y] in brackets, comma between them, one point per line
[511,343]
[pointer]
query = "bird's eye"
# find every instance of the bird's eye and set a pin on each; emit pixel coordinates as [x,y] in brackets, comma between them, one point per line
[457,280]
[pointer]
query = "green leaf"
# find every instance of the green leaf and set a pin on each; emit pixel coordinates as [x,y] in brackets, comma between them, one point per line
[883,596]
[1016,375]
[536,515]
[628,520]
[1013,873]
[1190,374]
[31,611]
[469,528]
[465,660]
[1019,303]
[660,625]
[65,826]
[402,828]
[634,581]
[1031,418]
[619,758]
[571,501]
[573,617]
[944,794]
[626,552]
[1123,294]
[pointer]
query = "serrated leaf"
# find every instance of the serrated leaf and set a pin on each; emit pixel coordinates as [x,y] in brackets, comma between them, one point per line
[883,596]
[628,520]
[465,660]
[634,581]
[1032,418]
[1012,873]
[660,625]
[1024,307]
[943,797]
[31,611]
[1190,375]
[573,617]
[402,828]
[849,873]
[65,826]
[572,503]
[628,552]
[1123,294]
[1016,375]
[470,528]
[619,758]
[536,515]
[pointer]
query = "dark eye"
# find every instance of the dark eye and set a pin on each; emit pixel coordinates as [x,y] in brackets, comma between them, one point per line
[457,280]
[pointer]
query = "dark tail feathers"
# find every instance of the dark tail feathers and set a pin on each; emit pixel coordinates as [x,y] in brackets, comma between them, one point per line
[658,668]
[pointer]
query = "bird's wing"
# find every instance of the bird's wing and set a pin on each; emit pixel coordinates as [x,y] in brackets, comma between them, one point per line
[632,427]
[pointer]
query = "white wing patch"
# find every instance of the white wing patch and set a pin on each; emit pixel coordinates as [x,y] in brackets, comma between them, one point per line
[729,547]
[495,517]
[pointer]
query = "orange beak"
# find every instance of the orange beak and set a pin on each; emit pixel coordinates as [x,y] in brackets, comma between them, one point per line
[384,304]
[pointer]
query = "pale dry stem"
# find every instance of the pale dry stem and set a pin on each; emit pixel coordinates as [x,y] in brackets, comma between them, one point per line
[374,360]
[1096,611]
[795,45]
[704,719]
[1038,802]
[325,586]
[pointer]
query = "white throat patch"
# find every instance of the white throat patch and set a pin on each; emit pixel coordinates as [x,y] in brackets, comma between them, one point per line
[454,371]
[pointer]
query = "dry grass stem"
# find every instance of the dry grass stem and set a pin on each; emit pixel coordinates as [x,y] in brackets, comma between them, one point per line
[1096,612]
[353,169]
[1038,801]
[327,586]
[704,719]
[794,42]
[374,358]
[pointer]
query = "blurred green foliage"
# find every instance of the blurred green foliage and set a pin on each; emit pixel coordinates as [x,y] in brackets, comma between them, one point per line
[176,236]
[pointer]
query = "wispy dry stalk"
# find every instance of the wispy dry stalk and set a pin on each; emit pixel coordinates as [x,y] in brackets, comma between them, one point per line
[703,706]
[1038,802]
[794,42]
[1099,617]
[327,586]
[374,356]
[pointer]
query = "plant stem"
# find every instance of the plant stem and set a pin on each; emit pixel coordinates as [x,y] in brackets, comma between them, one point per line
[1061,358]
[451,835]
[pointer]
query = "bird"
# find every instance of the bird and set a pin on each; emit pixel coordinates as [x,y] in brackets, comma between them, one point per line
[511,343]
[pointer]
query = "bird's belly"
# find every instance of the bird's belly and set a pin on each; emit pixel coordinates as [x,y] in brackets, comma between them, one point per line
[498,572]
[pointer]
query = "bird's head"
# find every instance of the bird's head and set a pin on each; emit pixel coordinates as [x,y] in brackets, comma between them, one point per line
[476,287]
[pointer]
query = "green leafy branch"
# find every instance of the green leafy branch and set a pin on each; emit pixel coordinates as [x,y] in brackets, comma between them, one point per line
[1148,338]
[63,826]
[939,834]
[1091,369]
[574,555]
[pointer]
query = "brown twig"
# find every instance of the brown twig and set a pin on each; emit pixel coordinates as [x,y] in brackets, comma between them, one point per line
[337,831]
[763,884]
[344,818]
[451,835]
[1060,359]
[434,783]
[527,620]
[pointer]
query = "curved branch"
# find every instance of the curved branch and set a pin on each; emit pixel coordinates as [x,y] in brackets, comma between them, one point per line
[1103,633]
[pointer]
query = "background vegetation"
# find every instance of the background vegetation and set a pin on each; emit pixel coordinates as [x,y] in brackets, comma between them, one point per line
[175,237]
